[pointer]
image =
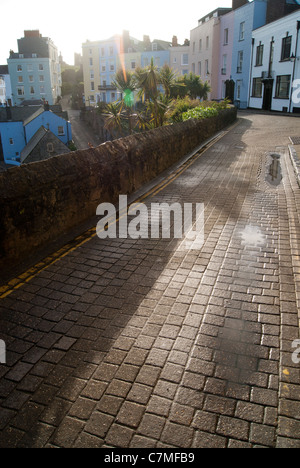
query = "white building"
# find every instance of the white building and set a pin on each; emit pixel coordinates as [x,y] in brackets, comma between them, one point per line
[275,71]
[5,86]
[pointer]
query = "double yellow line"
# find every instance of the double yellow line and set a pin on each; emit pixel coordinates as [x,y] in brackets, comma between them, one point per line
[80,240]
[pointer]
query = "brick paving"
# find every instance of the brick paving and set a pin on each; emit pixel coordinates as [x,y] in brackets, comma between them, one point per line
[140,344]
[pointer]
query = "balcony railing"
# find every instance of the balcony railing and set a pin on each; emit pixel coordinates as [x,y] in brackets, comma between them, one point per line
[107,88]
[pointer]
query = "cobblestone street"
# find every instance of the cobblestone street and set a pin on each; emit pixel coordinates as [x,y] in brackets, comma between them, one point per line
[130,343]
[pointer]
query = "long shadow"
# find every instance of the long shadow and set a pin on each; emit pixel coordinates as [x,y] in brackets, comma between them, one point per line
[61,326]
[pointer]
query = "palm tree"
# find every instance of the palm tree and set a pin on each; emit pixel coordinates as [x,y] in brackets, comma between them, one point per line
[114,117]
[147,80]
[167,79]
[125,81]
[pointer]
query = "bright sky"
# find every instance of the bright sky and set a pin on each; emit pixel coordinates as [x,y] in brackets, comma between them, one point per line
[69,24]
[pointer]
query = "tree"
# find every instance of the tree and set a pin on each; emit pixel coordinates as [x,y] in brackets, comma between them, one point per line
[148,81]
[113,117]
[167,79]
[126,83]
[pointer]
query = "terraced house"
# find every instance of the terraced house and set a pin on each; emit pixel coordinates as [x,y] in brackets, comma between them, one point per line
[35,69]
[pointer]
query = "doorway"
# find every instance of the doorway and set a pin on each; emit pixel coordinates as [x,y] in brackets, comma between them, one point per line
[268,91]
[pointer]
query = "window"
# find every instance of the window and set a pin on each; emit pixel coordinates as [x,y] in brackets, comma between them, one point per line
[91,62]
[112,66]
[224,69]
[283,87]
[207,42]
[41,67]
[42,90]
[111,51]
[133,65]
[286,48]
[185,59]
[31,90]
[240,61]
[200,45]
[50,147]
[175,60]
[194,68]
[92,86]
[19,68]
[154,46]
[259,55]
[92,74]
[11,141]
[239,89]
[226,36]
[102,52]
[20,79]
[206,67]
[257,88]
[194,47]
[29,67]
[42,78]
[61,130]
[103,68]
[34,55]
[20,91]
[242,31]
[31,79]
[199,68]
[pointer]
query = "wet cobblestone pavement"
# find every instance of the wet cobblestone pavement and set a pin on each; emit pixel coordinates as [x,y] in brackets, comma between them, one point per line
[142,344]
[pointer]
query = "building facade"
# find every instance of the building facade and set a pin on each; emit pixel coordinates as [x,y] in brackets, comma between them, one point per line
[204,49]
[275,73]
[18,125]
[102,60]
[246,18]
[5,87]
[35,70]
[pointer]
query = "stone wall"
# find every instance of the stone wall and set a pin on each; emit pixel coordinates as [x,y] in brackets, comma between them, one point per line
[42,201]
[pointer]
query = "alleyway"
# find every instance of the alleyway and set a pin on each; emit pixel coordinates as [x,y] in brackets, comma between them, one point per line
[142,344]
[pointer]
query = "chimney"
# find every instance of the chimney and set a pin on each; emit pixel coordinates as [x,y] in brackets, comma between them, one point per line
[174,41]
[35,33]
[46,106]
[238,3]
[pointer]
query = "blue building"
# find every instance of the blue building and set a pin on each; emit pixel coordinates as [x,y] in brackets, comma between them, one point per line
[35,69]
[18,125]
[247,18]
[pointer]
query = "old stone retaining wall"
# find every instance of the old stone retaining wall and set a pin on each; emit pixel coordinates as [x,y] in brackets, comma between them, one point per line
[42,201]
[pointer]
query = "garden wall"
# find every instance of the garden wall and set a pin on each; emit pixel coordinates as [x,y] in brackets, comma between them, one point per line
[42,201]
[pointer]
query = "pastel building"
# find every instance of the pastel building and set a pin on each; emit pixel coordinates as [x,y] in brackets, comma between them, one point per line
[225,56]
[35,70]
[5,86]
[19,125]
[180,57]
[204,49]
[246,18]
[275,73]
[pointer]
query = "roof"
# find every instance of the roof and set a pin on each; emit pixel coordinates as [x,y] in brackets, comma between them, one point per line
[29,155]
[26,113]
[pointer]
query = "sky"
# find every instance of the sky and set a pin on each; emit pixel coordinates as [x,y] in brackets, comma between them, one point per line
[69,24]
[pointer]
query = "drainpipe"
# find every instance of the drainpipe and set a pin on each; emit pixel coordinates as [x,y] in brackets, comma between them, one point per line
[294,69]
[251,67]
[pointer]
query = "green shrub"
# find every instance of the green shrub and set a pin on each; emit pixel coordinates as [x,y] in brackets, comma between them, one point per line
[200,113]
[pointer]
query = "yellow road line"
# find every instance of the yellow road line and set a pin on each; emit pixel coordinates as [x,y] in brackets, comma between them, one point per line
[25,277]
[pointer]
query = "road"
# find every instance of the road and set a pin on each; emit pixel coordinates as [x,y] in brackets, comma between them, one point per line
[82,133]
[136,343]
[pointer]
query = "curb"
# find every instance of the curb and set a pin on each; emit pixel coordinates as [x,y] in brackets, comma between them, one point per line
[295,161]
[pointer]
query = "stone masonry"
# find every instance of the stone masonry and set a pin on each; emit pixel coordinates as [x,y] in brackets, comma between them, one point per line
[127,343]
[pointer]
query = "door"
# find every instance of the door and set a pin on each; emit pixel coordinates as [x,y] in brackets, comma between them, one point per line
[268,90]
